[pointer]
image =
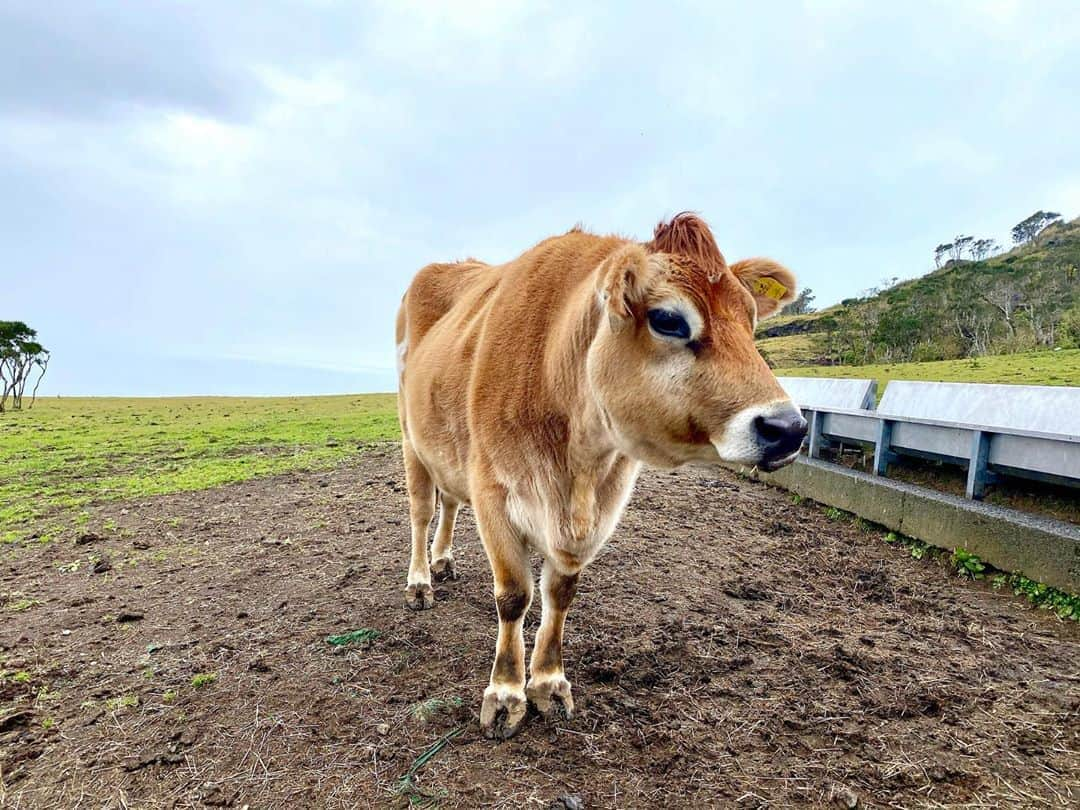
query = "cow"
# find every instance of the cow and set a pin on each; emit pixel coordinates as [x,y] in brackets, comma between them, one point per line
[535,390]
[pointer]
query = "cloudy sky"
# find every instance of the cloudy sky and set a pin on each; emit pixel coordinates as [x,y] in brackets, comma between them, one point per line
[230,197]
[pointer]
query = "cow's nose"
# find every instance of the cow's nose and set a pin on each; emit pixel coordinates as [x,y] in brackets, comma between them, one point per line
[780,434]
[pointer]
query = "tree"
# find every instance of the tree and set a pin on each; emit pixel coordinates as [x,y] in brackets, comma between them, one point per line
[940,252]
[20,356]
[959,245]
[801,305]
[981,248]
[1006,299]
[1026,230]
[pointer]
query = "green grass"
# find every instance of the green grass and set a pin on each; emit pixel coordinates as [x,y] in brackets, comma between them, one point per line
[1031,368]
[203,679]
[788,349]
[65,454]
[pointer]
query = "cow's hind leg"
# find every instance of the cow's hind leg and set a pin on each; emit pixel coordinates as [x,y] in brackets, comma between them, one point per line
[548,688]
[418,592]
[442,549]
[505,704]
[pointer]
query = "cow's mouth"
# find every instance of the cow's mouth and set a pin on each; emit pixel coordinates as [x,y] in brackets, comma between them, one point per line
[772,465]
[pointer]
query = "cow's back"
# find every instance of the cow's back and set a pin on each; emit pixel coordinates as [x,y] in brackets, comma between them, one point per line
[437,329]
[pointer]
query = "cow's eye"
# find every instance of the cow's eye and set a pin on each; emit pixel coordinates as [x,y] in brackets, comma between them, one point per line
[669,324]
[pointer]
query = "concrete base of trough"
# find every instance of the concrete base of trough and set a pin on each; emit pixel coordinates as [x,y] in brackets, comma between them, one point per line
[1043,549]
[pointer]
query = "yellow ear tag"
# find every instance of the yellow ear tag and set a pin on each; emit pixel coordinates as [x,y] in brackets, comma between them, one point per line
[769,287]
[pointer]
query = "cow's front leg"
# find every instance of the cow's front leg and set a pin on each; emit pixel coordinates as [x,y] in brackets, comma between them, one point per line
[505,703]
[548,688]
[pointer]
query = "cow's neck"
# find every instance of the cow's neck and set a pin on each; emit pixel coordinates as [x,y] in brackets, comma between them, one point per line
[592,444]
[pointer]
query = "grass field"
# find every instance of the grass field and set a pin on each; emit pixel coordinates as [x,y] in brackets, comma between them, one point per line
[1031,368]
[66,453]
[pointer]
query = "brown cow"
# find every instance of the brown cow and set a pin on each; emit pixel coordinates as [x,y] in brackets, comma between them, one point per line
[535,390]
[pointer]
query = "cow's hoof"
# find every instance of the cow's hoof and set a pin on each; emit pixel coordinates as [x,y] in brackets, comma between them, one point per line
[502,712]
[443,569]
[419,596]
[551,697]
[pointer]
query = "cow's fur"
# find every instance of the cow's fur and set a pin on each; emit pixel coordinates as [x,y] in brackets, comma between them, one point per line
[534,390]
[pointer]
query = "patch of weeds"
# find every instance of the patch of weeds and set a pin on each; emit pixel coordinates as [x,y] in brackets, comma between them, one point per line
[918,549]
[203,679]
[1065,605]
[361,636]
[109,525]
[832,513]
[22,676]
[82,519]
[406,786]
[48,722]
[428,709]
[864,525]
[174,522]
[45,696]
[968,564]
[121,702]
[19,605]
[169,696]
[69,568]
[796,498]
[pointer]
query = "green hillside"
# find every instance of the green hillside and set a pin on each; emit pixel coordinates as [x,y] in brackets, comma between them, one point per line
[1023,300]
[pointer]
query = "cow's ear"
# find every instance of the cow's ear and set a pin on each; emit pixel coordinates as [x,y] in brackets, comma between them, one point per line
[771,284]
[624,283]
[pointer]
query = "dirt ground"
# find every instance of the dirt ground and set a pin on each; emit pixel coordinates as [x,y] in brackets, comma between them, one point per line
[730,648]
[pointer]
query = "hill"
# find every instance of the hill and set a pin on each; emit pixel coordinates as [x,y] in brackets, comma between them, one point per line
[1022,300]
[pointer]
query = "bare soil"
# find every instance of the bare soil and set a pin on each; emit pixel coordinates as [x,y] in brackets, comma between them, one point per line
[729,649]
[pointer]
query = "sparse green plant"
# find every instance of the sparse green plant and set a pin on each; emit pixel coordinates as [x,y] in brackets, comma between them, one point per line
[968,564]
[864,525]
[22,676]
[834,514]
[203,679]
[19,605]
[169,696]
[48,722]
[121,702]
[797,499]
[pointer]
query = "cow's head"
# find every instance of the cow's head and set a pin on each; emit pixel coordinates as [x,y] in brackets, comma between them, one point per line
[674,365]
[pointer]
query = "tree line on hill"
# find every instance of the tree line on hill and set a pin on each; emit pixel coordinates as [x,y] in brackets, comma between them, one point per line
[22,358]
[978,302]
